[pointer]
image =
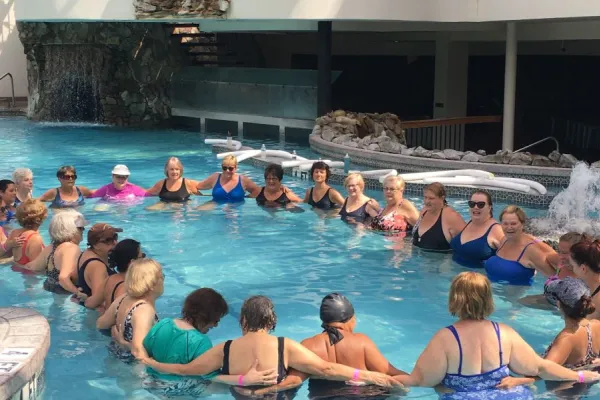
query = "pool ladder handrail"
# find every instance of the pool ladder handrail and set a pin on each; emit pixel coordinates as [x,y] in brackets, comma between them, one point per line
[12,85]
[538,142]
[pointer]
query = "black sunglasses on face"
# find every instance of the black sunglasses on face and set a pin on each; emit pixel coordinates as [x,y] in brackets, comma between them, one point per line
[479,204]
[68,177]
[230,169]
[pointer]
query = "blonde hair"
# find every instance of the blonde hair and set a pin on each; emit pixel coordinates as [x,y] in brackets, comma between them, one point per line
[471,296]
[358,178]
[142,277]
[176,161]
[398,181]
[514,210]
[20,174]
[31,213]
[230,157]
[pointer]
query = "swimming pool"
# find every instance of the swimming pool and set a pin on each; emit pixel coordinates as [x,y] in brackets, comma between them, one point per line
[399,294]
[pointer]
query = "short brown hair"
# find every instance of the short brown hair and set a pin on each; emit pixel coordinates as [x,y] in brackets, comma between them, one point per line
[64,169]
[471,296]
[437,189]
[31,213]
[203,306]
[258,312]
[518,211]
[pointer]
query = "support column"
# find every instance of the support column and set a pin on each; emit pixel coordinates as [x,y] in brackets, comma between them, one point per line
[324,72]
[510,87]
[451,77]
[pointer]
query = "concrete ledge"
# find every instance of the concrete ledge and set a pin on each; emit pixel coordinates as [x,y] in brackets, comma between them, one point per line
[544,175]
[24,343]
[416,189]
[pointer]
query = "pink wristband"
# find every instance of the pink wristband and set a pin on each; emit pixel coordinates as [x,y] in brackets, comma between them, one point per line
[355,376]
[581,377]
[241,380]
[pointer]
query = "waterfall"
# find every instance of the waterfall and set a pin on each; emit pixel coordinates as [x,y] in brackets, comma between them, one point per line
[71,81]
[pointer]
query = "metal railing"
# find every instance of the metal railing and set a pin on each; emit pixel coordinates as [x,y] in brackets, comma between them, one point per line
[12,86]
[538,142]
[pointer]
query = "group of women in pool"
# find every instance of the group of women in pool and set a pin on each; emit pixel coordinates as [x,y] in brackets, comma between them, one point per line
[115,278]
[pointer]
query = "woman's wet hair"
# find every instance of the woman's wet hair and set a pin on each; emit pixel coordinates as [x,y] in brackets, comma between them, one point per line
[488,199]
[4,184]
[574,237]
[438,190]
[470,296]
[587,252]
[516,210]
[258,312]
[322,166]
[123,254]
[580,310]
[64,169]
[204,306]
[275,170]
[31,213]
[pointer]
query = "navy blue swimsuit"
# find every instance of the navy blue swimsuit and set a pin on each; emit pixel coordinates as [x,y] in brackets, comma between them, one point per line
[358,216]
[473,253]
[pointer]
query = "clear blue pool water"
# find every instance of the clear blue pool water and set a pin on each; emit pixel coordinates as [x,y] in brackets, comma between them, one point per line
[399,294]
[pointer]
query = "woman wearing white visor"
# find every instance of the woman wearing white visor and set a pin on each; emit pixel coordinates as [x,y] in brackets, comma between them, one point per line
[120,189]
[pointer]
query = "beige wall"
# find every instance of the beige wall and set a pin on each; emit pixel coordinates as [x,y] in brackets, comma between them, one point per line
[377,10]
[12,58]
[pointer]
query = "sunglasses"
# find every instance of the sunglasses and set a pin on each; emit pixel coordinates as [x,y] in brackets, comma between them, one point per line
[479,204]
[230,169]
[121,176]
[69,177]
[143,255]
[81,228]
[115,238]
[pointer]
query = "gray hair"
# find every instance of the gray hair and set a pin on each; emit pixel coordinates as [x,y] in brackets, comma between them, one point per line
[65,225]
[20,174]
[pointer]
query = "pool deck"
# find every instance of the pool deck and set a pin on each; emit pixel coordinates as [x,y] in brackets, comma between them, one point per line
[24,344]
[463,191]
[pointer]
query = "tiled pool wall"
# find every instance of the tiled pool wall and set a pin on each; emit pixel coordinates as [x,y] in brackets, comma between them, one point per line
[338,176]
[24,344]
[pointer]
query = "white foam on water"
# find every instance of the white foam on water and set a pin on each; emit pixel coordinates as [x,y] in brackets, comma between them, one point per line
[576,208]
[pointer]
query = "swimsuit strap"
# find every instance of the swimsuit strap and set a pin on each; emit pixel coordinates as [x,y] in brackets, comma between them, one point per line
[225,367]
[119,305]
[130,313]
[489,229]
[525,249]
[595,292]
[452,329]
[281,370]
[497,329]
[590,348]
[112,297]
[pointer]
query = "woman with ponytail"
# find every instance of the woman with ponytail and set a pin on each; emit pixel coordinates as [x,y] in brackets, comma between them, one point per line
[585,260]
[578,344]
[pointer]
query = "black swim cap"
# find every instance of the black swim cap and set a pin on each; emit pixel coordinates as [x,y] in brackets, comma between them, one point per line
[335,307]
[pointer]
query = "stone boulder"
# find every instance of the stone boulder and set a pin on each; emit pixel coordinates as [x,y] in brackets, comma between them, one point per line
[554,156]
[363,124]
[364,142]
[567,161]
[390,147]
[492,159]
[595,165]
[342,138]
[471,157]
[481,152]
[373,147]
[422,152]
[316,130]
[328,133]
[439,155]
[542,161]
[451,154]
[411,150]
[520,159]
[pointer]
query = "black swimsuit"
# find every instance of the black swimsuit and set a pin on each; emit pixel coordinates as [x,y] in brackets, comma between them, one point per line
[282,200]
[281,370]
[359,215]
[178,196]
[112,296]
[434,239]
[324,203]
[85,288]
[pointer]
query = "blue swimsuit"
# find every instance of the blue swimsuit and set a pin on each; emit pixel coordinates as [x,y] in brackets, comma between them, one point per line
[481,386]
[235,195]
[473,253]
[60,203]
[508,271]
